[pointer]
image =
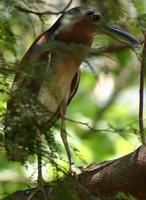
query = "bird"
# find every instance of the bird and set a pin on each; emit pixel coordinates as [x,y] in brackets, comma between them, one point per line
[47,79]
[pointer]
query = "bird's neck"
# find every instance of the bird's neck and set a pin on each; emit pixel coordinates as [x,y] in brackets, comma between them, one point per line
[76,36]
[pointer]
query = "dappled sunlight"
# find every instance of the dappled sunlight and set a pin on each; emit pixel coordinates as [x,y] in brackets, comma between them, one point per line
[104,88]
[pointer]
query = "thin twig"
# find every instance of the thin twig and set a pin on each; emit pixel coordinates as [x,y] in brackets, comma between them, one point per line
[141,22]
[141,94]
[91,128]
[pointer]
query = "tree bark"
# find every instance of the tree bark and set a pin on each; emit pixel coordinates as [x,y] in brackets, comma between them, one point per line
[105,180]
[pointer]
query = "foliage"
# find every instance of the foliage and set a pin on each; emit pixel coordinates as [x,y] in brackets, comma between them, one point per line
[107,98]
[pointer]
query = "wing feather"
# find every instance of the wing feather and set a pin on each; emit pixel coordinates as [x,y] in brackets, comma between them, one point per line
[23,111]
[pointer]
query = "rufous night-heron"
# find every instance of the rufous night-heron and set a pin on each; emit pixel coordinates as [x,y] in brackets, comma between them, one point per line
[48,75]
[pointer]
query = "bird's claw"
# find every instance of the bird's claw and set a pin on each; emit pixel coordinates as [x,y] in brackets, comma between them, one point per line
[74,171]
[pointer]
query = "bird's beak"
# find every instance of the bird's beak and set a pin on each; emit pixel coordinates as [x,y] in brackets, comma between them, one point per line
[115,31]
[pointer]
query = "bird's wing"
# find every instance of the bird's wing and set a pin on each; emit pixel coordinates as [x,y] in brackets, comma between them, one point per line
[21,116]
[32,68]
[30,72]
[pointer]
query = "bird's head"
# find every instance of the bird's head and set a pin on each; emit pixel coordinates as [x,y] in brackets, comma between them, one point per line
[82,20]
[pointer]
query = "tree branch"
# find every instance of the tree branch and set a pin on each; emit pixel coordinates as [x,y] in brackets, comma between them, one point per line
[126,174]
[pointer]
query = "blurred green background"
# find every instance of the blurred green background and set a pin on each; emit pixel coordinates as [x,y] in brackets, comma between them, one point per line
[104,112]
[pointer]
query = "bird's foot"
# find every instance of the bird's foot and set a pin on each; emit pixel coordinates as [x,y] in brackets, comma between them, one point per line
[74,171]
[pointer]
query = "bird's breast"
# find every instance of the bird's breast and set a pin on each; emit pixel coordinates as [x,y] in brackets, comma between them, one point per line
[57,82]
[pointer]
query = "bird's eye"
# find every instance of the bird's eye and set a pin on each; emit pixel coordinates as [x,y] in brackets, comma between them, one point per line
[96,17]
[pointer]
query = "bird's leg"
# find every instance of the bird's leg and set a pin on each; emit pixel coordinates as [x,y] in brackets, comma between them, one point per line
[64,137]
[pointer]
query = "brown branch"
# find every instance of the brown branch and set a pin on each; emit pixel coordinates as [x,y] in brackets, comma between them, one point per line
[110,129]
[126,174]
[87,125]
[48,12]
